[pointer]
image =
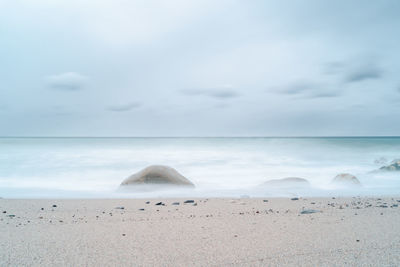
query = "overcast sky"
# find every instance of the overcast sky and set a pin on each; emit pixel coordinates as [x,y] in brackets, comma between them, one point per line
[199,68]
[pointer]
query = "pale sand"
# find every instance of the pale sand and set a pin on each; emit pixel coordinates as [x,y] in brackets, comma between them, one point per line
[216,232]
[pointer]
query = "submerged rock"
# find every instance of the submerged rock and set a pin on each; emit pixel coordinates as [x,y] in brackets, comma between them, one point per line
[157,175]
[346,178]
[287,182]
[393,166]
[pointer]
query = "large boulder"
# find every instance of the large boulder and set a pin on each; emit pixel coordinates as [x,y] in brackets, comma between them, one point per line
[393,166]
[157,175]
[287,182]
[346,179]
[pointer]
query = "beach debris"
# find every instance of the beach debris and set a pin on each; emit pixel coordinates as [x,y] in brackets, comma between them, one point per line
[288,182]
[310,211]
[175,203]
[346,179]
[188,201]
[160,204]
[294,198]
[393,166]
[157,175]
[120,208]
[54,206]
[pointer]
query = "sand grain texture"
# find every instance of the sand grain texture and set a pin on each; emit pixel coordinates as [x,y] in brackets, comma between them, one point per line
[214,232]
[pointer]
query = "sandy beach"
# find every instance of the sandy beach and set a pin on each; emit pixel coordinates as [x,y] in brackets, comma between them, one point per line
[208,232]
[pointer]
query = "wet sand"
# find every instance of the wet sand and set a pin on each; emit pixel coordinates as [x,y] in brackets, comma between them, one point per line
[209,232]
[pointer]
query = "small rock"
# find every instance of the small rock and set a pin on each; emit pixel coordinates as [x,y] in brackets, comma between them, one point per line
[160,204]
[11,215]
[54,206]
[123,234]
[120,208]
[175,203]
[4,211]
[189,201]
[141,209]
[294,198]
[195,204]
[147,202]
[309,211]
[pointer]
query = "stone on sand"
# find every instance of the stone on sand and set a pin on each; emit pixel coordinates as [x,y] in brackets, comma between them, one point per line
[157,175]
[346,179]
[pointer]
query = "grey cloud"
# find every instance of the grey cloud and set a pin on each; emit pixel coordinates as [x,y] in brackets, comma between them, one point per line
[220,93]
[69,81]
[332,68]
[297,88]
[364,73]
[124,107]
[309,90]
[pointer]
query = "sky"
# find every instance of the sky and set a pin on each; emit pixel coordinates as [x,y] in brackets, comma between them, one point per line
[199,68]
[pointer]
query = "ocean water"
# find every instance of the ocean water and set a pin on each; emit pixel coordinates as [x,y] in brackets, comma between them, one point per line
[219,167]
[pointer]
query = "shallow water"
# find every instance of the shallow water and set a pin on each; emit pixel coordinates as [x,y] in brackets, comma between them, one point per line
[221,167]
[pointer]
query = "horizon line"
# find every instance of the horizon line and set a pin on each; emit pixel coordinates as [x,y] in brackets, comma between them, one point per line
[272,136]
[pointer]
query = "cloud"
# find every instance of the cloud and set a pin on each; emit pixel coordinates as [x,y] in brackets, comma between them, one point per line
[332,68]
[69,81]
[308,90]
[124,107]
[219,93]
[366,72]
[297,88]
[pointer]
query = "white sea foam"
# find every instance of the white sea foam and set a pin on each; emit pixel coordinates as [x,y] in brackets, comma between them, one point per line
[94,167]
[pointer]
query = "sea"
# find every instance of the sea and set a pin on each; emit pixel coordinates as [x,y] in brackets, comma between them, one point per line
[219,167]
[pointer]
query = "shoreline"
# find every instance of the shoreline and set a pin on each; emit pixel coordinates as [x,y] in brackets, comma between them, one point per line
[209,231]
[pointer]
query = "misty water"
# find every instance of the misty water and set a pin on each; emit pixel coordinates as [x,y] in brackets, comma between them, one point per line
[219,167]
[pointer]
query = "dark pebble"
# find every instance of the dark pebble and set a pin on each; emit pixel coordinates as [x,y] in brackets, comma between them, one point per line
[189,201]
[120,208]
[4,211]
[147,202]
[160,204]
[309,211]
[175,203]
[141,209]
[54,206]
[294,198]
[123,234]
